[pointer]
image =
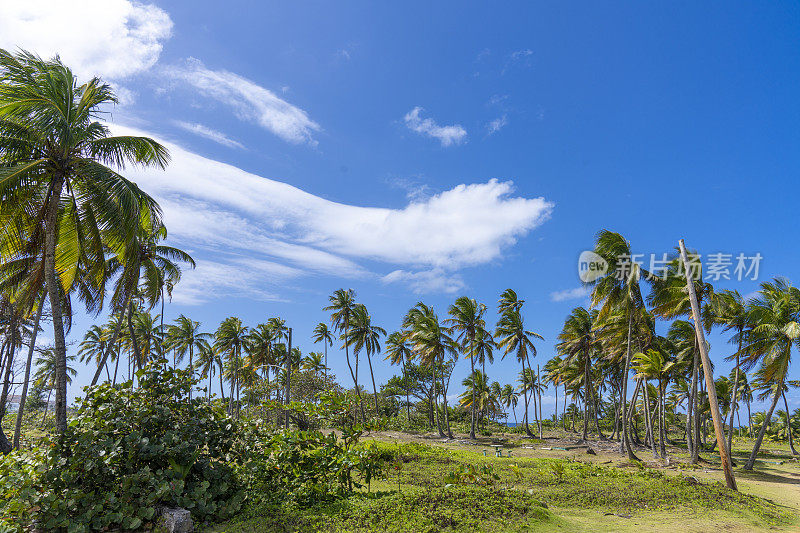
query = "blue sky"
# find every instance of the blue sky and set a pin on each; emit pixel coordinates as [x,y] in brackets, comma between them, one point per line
[415,151]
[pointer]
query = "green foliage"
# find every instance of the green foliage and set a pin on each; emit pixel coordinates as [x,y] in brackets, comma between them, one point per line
[303,466]
[471,474]
[126,452]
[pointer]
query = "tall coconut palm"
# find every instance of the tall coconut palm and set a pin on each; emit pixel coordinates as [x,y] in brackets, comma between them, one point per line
[514,338]
[260,344]
[365,336]
[730,311]
[577,341]
[432,341]
[466,319]
[553,375]
[58,185]
[207,362]
[341,307]
[323,334]
[185,337]
[510,398]
[619,292]
[775,314]
[654,365]
[398,352]
[231,339]
[47,372]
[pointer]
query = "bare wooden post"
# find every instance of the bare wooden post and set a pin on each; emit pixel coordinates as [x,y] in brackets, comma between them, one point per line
[712,391]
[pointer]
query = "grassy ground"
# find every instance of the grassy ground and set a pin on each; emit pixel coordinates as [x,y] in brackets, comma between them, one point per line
[539,489]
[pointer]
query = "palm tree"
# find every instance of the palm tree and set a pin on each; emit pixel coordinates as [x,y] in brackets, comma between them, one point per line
[341,306]
[143,274]
[576,340]
[260,348]
[515,338]
[553,374]
[365,336]
[313,362]
[185,336]
[323,334]
[653,365]
[619,293]
[730,310]
[207,362]
[398,351]
[478,392]
[510,397]
[57,189]
[484,346]
[432,341]
[775,314]
[231,339]
[47,372]
[467,319]
[94,345]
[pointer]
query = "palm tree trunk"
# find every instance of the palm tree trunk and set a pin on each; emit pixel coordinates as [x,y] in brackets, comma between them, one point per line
[405,382]
[137,355]
[525,395]
[24,396]
[191,367]
[555,409]
[695,428]
[374,390]
[626,445]
[436,402]
[648,420]
[539,393]
[472,407]
[111,342]
[587,385]
[789,425]
[54,295]
[734,407]
[564,414]
[46,405]
[751,461]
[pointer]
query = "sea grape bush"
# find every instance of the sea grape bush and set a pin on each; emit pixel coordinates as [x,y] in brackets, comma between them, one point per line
[127,451]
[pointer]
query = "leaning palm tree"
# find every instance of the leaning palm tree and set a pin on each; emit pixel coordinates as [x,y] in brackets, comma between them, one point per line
[775,315]
[514,338]
[184,337]
[398,352]
[60,188]
[323,334]
[466,319]
[94,345]
[341,307]
[364,336]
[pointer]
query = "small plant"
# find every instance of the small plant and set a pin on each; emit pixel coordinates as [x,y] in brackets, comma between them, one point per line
[469,474]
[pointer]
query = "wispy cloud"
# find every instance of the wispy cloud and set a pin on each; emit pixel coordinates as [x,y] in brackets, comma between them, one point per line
[208,133]
[249,101]
[496,125]
[222,211]
[427,281]
[447,135]
[111,38]
[569,294]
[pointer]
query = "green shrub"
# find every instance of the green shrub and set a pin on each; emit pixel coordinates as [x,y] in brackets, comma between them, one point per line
[127,451]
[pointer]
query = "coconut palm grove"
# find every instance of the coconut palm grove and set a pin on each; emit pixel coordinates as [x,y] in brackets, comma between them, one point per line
[391,334]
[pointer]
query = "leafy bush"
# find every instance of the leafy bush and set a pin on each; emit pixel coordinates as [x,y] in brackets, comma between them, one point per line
[303,466]
[127,451]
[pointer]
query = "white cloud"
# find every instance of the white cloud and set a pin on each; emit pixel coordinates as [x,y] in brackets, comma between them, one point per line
[496,125]
[447,135]
[208,133]
[111,38]
[219,209]
[427,281]
[250,101]
[569,294]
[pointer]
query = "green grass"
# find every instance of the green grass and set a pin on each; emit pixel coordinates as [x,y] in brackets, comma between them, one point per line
[526,494]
